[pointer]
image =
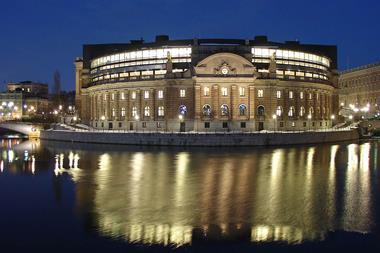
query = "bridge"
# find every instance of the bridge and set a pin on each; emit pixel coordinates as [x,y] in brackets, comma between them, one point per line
[29,129]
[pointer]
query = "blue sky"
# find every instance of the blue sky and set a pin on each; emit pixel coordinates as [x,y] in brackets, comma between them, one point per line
[38,37]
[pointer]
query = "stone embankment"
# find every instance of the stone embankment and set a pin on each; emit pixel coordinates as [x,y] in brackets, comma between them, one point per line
[201,139]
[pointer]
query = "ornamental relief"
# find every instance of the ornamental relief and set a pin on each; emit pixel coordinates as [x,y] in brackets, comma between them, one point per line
[225,64]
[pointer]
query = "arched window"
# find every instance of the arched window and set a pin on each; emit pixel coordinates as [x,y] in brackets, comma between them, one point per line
[161,111]
[134,111]
[279,111]
[224,110]
[260,110]
[146,111]
[291,111]
[302,111]
[182,109]
[242,110]
[311,111]
[207,110]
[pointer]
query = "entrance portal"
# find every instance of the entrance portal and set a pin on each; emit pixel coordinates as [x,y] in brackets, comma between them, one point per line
[182,127]
[261,126]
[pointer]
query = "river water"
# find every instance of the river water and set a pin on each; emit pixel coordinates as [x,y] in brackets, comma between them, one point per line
[66,197]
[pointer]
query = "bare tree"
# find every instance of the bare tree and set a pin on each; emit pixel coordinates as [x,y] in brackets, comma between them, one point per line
[57,88]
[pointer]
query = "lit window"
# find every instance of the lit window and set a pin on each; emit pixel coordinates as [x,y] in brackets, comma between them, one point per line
[206,110]
[113,112]
[133,95]
[290,94]
[291,111]
[310,96]
[302,111]
[224,110]
[311,111]
[224,91]
[146,94]
[242,91]
[112,96]
[260,93]
[182,109]
[104,97]
[123,112]
[146,111]
[134,111]
[279,111]
[301,95]
[182,93]
[206,91]
[161,111]
[122,96]
[160,94]
[278,94]
[242,110]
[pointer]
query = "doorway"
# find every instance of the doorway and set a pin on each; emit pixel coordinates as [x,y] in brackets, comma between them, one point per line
[261,126]
[182,127]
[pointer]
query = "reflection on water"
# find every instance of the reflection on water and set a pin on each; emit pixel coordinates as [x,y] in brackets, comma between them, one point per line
[175,196]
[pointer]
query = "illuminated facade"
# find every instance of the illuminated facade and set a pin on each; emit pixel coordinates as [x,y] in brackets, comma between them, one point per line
[207,85]
[360,87]
[34,96]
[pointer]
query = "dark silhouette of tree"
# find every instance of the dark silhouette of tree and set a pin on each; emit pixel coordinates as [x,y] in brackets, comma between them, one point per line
[57,88]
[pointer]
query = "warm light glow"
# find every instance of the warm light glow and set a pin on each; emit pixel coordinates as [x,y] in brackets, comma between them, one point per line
[180,117]
[350,117]
[333,116]
[103,117]
[274,116]
[309,116]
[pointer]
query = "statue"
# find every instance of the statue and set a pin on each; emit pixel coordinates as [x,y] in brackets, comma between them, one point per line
[272,66]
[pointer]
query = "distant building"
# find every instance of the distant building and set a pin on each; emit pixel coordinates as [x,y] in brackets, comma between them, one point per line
[29,88]
[360,87]
[34,96]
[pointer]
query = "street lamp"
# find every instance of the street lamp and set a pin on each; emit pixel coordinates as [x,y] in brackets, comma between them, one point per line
[180,117]
[332,119]
[350,117]
[274,117]
[103,117]
[309,118]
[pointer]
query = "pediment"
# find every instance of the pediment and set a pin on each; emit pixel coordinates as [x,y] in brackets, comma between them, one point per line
[225,64]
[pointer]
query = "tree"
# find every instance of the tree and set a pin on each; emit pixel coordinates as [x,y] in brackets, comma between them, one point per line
[57,88]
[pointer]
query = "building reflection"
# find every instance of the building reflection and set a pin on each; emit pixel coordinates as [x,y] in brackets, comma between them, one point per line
[18,156]
[177,197]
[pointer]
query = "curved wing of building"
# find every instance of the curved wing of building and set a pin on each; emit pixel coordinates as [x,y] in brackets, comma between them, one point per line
[207,85]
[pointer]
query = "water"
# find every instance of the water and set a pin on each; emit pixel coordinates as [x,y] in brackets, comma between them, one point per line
[78,197]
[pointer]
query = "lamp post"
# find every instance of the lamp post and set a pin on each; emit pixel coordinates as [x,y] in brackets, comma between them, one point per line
[137,123]
[332,119]
[274,117]
[309,118]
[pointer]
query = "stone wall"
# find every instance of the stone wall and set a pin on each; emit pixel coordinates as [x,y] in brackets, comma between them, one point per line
[202,139]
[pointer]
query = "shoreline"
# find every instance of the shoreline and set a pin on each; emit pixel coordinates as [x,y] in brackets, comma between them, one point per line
[201,139]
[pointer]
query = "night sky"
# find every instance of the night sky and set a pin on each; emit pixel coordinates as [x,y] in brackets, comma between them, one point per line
[38,37]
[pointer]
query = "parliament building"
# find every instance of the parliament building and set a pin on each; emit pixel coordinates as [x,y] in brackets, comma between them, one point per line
[207,85]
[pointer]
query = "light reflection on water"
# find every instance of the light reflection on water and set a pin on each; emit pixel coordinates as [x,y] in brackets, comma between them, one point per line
[174,196]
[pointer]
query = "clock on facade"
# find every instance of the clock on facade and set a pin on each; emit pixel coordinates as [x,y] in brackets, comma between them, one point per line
[224,70]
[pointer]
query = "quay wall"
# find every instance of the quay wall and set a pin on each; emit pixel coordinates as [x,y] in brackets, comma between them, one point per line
[201,139]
